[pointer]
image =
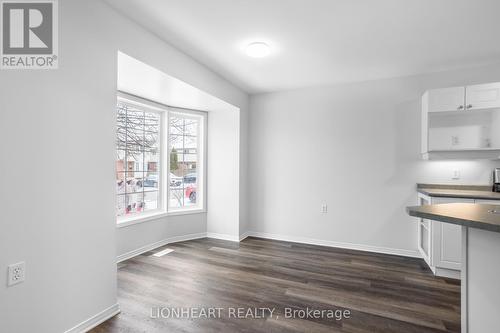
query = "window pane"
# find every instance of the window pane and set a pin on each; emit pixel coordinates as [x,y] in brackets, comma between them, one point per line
[151,200]
[191,127]
[137,159]
[134,182]
[190,195]
[191,142]
[151,181]
[189,160]
[134,203]
[120,182]
[184,140]
[151,131]
[176,142]
[176,125]
[190,177]
[120,160]
[177,195]
[120,205]
[151,161]
[121,131]
[135,130]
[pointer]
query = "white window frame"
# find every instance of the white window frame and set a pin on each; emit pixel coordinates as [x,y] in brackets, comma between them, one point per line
[164,170]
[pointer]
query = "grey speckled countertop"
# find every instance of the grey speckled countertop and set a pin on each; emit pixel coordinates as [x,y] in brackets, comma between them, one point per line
[458,191]
[468,214]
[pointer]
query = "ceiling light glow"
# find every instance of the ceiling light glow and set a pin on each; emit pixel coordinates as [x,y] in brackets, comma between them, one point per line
[258,50]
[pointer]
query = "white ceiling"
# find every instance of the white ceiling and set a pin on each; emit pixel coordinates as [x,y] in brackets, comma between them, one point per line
[318,42]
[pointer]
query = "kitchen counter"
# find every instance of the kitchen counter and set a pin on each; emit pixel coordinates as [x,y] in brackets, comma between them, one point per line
[458,191]
[480,271]
[486,217]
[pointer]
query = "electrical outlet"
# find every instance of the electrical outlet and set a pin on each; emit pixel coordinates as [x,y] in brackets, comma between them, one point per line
[16,273]
[455,141]
[324,208]
[456,174]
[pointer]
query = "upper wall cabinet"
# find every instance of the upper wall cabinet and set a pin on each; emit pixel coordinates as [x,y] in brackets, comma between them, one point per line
[482,96]
[461,122]
[447,99]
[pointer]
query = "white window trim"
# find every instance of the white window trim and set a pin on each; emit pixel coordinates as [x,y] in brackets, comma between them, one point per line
[162,211]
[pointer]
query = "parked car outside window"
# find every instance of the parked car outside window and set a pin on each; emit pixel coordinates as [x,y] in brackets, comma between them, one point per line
[191,193]
[190,178]
[151,181]
[175,180]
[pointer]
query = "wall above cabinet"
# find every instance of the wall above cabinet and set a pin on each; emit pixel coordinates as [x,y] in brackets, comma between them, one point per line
[461,122]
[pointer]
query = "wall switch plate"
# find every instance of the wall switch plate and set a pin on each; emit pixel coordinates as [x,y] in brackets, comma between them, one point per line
[324,208]
[456,174]
[16,273]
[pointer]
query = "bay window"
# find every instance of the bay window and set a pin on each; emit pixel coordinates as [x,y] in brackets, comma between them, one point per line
[159,159]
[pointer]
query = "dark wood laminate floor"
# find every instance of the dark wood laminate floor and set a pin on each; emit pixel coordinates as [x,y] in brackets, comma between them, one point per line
[384,293]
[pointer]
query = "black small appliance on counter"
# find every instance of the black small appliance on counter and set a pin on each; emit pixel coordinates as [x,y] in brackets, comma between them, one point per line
[496,180]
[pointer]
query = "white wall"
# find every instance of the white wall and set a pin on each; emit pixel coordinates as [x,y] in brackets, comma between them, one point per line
[138,236]
[354,147]
[57,146]
[57,133]
[223,175]
[244,189]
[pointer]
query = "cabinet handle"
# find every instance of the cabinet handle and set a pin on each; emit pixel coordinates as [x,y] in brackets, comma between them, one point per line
[469,106]
[461,107]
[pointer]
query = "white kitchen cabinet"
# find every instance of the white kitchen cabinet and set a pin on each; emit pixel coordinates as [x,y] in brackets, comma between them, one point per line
[440,244]
[424,231]
[447,241]
[461,122]
[447,99]
[473,97]
[482,96]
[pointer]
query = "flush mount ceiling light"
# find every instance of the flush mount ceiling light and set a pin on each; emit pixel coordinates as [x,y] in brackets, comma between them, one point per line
[258,50]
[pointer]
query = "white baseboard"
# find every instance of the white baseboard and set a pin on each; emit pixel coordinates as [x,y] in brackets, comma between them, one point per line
[244,235]
[286,238]
[152,246]
[448,273]
[93,321]
[350,246]
[227,237]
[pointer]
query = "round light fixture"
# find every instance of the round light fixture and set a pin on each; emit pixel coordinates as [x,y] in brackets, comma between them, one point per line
[258,50]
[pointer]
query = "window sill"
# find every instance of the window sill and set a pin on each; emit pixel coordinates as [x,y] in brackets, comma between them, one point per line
[186,211]
[128,221]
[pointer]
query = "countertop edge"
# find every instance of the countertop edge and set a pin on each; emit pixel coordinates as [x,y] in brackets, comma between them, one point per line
[452,220]
[486,196]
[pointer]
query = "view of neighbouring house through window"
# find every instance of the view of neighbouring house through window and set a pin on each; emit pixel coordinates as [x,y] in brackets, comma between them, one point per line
[185,140]
[138,160]
[143,184]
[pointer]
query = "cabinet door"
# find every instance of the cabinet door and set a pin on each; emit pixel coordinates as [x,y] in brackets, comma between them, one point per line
[447,239]
[447,99]
[482,96]
[424,232]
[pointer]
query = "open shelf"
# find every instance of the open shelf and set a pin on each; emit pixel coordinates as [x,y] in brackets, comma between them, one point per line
[464,149]
[477,130]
